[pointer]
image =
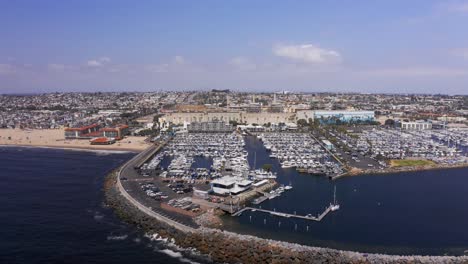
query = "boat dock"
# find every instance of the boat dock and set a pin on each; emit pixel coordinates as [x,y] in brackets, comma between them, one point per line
[312,218]
[268,196]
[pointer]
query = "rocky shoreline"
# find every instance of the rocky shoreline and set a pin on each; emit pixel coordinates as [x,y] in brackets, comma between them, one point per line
[360,172]
[228,247]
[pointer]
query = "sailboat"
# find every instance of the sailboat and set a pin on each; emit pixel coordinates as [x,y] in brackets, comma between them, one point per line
[335,206]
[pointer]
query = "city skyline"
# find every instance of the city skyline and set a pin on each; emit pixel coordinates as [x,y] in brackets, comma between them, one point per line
[392,47]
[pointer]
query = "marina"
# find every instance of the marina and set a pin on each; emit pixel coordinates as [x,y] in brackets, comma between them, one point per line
[300,151]
[440,146]
[366,204]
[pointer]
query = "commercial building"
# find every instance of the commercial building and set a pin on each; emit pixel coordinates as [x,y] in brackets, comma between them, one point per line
[417,125]
[209,127]
[117,132]
[81,132]
[347,117]
[94,131]
[229,185]
[262,118]
[327,144]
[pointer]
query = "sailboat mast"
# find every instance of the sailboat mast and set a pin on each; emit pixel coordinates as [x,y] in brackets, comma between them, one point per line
[255,160]
[334,196]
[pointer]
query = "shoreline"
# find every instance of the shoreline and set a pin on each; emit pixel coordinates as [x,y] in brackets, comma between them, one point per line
[75,148]
[229,247]
[54,138]
[390,170]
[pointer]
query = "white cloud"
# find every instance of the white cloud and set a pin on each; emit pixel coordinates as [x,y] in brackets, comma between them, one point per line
[6,69]
[179,60]
[242,63]
[98,62]
[308,53]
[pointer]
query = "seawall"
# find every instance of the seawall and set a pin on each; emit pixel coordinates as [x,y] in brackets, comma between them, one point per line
[229,247]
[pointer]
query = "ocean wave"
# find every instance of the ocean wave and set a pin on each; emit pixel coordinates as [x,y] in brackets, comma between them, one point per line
[176,255]
[122,237]
[170,248]
[98,216]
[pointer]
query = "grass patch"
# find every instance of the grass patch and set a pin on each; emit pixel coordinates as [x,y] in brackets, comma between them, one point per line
[411,163]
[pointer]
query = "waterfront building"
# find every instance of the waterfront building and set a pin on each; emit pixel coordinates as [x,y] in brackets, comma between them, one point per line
[251,128]
[81,132]
[416,125]
[335,117]
[228,185]
[93,131]
[117,132]
[178,118]
[209,127]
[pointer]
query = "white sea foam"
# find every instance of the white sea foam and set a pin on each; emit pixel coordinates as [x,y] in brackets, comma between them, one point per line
[176,255]
[173,250]
[122,237]
[98,216]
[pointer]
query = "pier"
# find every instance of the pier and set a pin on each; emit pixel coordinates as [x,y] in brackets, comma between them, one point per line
[312,218]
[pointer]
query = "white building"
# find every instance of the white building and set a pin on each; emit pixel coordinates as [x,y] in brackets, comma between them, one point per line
[230,185]
[417,125]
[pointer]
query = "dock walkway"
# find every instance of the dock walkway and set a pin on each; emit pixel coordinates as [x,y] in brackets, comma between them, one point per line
[312,218]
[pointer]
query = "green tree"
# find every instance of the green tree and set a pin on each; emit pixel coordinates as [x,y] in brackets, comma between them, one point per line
[267,167]
[302,122]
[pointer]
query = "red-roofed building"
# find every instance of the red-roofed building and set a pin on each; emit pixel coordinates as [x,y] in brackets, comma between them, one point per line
[117,132]
[80,132]
[92,131]
[102,141]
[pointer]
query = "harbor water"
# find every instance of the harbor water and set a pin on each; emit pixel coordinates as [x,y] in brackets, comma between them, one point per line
[52,211]
[422,212]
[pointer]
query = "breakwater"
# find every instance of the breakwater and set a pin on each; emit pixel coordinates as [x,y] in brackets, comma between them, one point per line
[230,247]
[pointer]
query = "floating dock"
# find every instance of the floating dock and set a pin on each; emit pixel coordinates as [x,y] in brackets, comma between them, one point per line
[312,218]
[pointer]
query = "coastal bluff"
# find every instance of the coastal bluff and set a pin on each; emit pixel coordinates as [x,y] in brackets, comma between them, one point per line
[228,247]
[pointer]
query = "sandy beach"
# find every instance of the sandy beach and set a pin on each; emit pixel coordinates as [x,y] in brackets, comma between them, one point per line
[54,138]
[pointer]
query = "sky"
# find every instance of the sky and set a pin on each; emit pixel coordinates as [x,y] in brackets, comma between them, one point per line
[408,46]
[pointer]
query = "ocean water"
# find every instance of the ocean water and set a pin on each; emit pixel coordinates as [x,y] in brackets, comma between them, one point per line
[423,212]
[51,208]
[52,211]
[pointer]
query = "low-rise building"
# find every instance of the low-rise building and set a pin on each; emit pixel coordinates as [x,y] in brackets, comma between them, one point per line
[229,185]
[209,127]
[416,125]
[81,132]
[334,117]
[94,131]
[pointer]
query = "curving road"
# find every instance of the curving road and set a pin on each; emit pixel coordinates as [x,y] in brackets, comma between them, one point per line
[129,168]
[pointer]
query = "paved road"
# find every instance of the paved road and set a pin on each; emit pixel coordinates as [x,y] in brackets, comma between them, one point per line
[128,171]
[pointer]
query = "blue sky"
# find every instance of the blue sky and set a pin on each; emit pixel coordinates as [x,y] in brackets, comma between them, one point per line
[348,46]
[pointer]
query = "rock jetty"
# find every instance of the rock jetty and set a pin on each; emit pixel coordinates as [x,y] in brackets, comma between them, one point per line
[228,247]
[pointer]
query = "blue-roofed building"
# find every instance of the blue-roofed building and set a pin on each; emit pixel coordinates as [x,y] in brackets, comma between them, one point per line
[344,117]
